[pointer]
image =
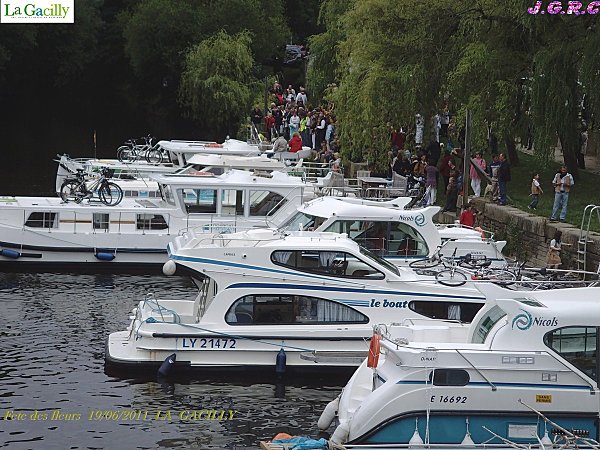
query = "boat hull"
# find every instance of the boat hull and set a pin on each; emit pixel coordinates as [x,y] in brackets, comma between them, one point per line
[216,352]
[449,427]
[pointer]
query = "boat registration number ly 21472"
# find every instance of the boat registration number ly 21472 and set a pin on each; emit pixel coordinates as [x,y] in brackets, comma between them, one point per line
[448,399]
[203,343]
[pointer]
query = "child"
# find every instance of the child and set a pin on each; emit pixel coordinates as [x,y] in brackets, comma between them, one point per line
[536,190]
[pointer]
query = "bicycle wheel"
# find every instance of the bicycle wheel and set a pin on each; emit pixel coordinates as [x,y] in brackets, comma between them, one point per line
[126,154]
[449,277]
[154,156]
[502,277]
[426,263]
[110,194]
[68,191]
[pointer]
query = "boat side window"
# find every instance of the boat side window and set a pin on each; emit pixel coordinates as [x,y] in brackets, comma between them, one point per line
[151,222]
[200,200]
[42,220]
[332,263]
[578,345]
[265,203]
[486,323]
[461,311]
[100,221]
[288,309]
[232,202]
[449,377]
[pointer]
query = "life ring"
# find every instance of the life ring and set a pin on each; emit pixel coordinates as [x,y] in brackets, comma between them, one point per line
[374,350]
[214,145]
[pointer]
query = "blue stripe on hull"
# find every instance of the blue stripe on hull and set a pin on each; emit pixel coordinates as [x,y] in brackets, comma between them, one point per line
[451,429]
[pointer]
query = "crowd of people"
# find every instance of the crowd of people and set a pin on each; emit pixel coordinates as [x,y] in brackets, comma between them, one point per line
[292,123]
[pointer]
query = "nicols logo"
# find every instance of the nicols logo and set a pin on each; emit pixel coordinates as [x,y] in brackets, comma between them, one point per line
[525,321]
[39,11]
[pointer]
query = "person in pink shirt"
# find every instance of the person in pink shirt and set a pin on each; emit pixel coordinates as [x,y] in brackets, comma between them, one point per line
[474,174]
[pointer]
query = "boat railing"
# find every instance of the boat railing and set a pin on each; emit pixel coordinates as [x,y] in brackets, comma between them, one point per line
[222,240]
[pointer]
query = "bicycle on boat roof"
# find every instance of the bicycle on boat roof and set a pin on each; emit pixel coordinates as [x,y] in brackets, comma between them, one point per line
[81,187]
[142,148]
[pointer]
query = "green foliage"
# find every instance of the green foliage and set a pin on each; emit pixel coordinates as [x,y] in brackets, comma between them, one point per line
[513,71]
[216,83]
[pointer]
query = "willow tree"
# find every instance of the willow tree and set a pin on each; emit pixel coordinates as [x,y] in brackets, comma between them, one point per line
[566,69]
[493,61]
[323,64]
[394,65]
[216,84]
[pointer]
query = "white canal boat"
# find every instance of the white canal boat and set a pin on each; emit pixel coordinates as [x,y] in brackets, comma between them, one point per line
[399,235]
[136,181]
[455,385]
[47,231]
[310,298]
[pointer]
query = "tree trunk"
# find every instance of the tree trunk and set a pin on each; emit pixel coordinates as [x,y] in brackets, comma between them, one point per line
[511,149]
[569,156]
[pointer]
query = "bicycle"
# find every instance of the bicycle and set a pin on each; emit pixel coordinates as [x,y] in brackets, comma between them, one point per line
[133,151]
[78,189]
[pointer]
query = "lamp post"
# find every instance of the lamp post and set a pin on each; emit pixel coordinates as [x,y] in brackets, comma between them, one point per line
[467,161]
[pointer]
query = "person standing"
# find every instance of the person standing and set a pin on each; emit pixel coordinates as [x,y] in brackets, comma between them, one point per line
[494,169]
[503,178]
[583,142]
[445,168]
[437,125]
[431,172]
[553,260]
[301,97]
[474,173]
[256,117]
[562,183]
[420,125]
[536,190]
[294,122]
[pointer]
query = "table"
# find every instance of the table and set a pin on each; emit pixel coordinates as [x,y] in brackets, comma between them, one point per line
[372,183]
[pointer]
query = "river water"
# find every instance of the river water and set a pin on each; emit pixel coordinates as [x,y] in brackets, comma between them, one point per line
[54,393]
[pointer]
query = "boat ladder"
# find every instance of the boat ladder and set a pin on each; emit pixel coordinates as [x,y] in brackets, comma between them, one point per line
[584,232]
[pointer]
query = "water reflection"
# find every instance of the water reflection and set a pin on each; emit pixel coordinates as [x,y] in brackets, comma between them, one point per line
[52,362]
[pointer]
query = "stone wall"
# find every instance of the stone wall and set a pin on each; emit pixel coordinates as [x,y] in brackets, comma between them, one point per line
[528,236]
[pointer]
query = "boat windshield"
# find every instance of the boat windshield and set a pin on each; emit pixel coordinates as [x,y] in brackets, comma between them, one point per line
[486,323]
[166,193]
[382,262]
[308,222]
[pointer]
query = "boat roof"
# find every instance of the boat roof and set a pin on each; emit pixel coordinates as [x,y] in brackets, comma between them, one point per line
[270,238]
[231,178]
[573,306]
[341,208]
[230,146]
[261,162]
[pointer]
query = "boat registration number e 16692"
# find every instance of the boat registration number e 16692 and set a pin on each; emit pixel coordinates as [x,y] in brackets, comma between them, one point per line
[448,399]
[203,343]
